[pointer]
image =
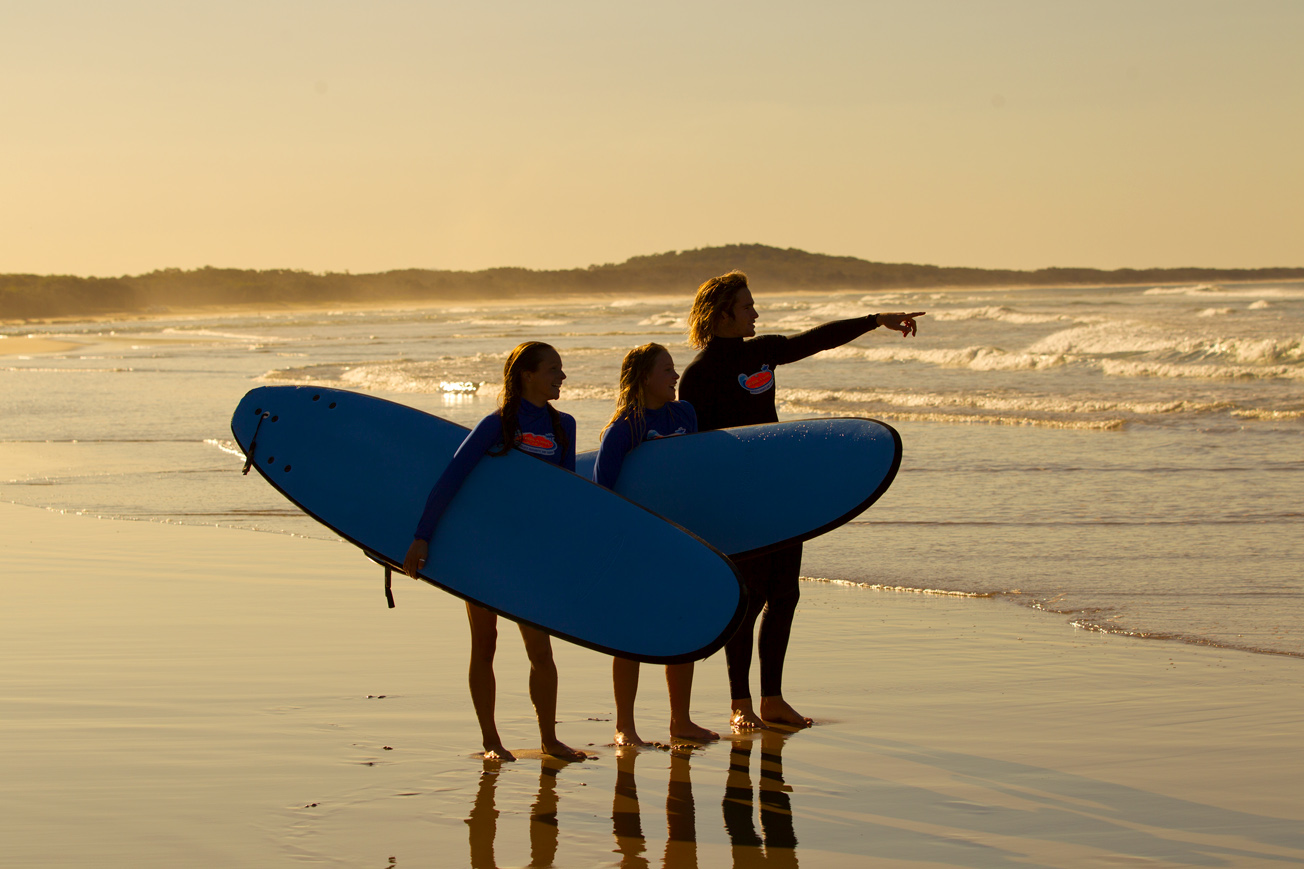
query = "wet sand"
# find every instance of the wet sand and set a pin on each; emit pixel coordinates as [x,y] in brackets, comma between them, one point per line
[30,345]
[199,696]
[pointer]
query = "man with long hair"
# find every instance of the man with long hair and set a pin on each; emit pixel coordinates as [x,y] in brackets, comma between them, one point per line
[731,383]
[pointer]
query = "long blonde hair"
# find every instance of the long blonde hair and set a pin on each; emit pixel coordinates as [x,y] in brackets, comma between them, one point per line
[634,370]
[714,298]
[526,357]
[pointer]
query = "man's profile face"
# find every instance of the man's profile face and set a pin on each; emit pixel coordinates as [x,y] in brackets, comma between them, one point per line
[740,320]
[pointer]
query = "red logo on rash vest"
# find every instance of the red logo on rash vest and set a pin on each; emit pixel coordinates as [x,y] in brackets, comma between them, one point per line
[541,445]
[758,382]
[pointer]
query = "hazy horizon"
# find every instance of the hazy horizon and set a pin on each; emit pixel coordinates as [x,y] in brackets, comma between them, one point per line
[334,136]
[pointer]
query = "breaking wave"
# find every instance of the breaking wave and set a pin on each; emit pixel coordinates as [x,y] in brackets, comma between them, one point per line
[974,358]
[998,313]
[1208,291]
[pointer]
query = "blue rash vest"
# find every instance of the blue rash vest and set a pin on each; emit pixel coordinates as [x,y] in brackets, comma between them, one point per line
[623,435]
[534,435]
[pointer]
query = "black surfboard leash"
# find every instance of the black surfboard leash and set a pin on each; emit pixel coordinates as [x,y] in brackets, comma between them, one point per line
[253,443]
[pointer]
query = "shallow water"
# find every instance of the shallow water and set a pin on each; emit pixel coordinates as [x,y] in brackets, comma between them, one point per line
[1128,456]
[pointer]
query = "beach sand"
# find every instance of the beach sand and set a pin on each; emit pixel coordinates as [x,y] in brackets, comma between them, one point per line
[198,696]
[31,345]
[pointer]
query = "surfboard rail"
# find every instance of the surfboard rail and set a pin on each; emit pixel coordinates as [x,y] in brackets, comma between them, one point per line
[773,485]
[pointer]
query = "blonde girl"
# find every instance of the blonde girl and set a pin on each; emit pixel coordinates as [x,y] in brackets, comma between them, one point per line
[646,410]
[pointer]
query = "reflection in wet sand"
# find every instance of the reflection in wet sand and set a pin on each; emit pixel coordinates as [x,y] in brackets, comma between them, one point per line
[626,822]
[681,821]
[744,798]
[681,825]
[779,845]
[482,823]
[543,815]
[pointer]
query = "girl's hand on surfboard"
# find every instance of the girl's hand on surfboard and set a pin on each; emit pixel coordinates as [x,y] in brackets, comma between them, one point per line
[416,557]
[899,322]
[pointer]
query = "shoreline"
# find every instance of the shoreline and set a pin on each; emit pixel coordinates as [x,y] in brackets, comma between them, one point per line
[218,696]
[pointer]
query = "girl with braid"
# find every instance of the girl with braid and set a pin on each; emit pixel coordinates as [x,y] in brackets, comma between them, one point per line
[532,376]
[646,410]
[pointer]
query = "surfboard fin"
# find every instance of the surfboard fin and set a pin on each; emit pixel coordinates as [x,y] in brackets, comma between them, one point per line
[389,591]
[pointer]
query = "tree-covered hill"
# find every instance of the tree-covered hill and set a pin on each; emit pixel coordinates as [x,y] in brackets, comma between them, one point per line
[770,268]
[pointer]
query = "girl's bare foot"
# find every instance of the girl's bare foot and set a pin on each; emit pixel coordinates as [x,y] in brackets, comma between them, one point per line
[629,736]
[743,718]
[689,730]
[497,752]
[775,710]
[562,751]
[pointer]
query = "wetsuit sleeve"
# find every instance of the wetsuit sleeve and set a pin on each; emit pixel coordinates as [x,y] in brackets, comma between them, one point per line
[823,337]
[617,441]
[568,460]
[486,433]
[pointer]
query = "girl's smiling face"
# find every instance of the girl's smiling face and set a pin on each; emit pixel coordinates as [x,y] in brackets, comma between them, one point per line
[659,387]
[543,384]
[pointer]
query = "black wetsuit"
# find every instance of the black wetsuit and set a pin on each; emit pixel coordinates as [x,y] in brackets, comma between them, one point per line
[731,383]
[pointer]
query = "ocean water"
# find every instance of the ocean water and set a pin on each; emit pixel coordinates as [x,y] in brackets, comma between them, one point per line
[1129,459]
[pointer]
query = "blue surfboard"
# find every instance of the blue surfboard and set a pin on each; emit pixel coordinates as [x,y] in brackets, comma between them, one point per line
[757,488]
[524,538]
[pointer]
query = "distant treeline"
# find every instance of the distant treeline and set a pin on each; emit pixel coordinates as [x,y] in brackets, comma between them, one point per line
[770,268]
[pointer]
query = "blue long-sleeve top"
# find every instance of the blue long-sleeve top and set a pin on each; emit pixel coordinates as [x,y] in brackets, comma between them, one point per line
[534,435]
[623,435]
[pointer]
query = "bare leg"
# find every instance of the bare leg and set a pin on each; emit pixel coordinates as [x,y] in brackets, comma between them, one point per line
[624,678]
[543,692]
[484,642]
[679,680]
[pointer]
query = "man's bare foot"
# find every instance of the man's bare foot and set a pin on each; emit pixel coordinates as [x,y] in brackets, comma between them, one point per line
[629,736]
[689,730]
[498,753]
[562,751]
[743,718]
[775,710]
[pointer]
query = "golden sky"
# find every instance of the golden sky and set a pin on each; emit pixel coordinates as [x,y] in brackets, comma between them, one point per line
[367,136]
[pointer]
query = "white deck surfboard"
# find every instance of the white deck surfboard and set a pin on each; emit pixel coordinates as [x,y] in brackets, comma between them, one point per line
[758,488]
[524,538]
